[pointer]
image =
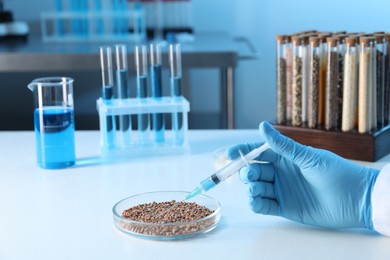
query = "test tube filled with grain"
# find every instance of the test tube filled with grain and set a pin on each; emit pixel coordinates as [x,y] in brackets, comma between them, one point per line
[340,80]
[364,100]
[380,77]
[281,79]
[331,83]
[296,119]
[350,85]
[373,83]
[305,76]
[313,95]
[289,75]
[323,68]
[387,82]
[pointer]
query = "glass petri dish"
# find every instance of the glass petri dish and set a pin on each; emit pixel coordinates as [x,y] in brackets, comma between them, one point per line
[166,231]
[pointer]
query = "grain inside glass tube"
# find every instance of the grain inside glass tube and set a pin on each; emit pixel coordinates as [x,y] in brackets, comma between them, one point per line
[305,76]
[364,99]
[331,83]
[296,119]
[323,68]
[288,55]
[315,60]
[373,84]
[386,113]
[340,81]
[380,77]
[350,85]
[281,79]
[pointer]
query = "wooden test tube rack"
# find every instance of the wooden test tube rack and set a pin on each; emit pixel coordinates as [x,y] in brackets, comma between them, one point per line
[352,145]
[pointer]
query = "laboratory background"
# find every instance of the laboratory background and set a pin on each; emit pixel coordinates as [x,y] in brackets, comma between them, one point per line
[97,127]
[255,79]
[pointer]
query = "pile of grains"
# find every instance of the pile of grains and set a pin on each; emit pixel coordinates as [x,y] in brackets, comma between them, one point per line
[167,212]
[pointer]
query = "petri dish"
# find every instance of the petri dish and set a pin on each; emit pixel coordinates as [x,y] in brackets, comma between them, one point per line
[166,231]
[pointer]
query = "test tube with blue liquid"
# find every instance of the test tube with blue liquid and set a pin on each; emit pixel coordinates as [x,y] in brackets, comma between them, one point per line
[138,24]
[176,91]
[60,29]
[119,8]
[75,7]
[156,87]
[142,91]
[99,22]
[84,8]
[107,95]
[123,91]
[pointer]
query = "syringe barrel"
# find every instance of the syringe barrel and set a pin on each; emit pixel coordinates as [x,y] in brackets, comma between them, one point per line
[230,169]
[209,183]
[236,165]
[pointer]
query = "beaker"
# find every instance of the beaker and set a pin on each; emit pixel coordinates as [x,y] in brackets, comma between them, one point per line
[54,121]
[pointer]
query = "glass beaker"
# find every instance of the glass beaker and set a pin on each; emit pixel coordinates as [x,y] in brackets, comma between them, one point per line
[54,121]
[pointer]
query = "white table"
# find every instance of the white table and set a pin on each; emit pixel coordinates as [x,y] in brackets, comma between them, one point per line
[66,214]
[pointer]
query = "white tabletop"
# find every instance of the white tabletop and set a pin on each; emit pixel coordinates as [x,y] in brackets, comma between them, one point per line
[66,214]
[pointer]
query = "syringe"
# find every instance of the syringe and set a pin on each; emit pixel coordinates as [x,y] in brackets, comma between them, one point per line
[226,171]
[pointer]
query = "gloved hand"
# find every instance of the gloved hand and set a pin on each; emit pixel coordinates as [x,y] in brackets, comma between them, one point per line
[307,185]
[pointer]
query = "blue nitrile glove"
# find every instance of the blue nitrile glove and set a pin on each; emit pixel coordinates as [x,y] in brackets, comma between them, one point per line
[307,185]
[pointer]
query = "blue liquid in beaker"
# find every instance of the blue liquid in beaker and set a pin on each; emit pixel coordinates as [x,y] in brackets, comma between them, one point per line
[54,132]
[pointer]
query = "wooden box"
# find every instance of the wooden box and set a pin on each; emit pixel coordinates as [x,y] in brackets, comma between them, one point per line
[351,145]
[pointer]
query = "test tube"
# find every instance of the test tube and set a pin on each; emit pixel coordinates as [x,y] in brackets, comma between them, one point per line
[373,83]
[305,76]
[158,21]
[76,7]
[386,114]
[364,99]
[350,84]
[60,23]
[281,79]
[107,95]
[138,21]
[323,71]
[289,60]
[176,91]
[142,91]
[380,77]
[84,21]
[340,81]
[156,87]
[314,81]
[99,21]
[119,8]
[296,116]
[115,10]
[123,91]
[331,83]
